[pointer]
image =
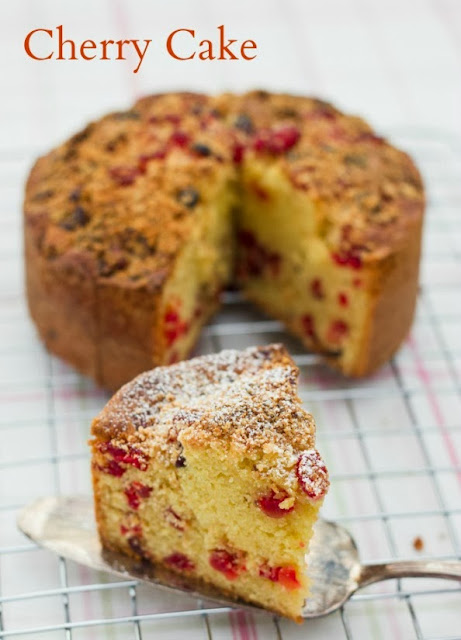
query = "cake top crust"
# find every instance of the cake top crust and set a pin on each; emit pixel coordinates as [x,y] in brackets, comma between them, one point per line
[368,193]
[125,190]
[245,401]
[246,396]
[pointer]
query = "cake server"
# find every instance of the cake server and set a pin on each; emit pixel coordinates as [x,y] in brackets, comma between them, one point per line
[66,526]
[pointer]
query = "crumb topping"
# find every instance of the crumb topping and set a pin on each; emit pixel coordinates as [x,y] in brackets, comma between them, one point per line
[367,192]
[124,192]
[245,400]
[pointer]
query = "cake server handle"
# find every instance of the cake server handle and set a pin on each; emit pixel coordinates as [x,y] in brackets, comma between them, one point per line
[448,569]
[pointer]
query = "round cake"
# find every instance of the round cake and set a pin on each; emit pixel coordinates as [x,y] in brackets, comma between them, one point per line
[135,225]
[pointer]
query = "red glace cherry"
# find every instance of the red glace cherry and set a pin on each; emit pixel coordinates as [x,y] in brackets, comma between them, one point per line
[286,576]
[337,331]
[270,504]
[312,474]
[227,563]
[179,561]
[135,492]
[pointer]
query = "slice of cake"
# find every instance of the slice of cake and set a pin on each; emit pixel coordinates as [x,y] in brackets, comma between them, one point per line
[209,467]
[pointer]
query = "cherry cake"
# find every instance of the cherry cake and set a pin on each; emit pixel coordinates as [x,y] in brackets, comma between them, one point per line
[209,468]
[135,225]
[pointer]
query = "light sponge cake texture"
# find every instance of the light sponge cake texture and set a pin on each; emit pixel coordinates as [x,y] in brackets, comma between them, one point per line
[209,468]
[135,225]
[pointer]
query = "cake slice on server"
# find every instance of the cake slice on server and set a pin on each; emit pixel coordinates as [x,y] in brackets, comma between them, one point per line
[209,467]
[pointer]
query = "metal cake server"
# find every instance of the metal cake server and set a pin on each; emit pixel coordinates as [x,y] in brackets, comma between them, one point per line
[66,526]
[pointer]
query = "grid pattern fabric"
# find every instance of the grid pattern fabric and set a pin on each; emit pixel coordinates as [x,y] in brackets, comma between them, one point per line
[392,443]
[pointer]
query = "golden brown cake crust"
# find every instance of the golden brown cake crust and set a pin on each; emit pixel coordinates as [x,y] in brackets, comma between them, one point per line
[107,213]
[117,191]
[391,315]
[247,396]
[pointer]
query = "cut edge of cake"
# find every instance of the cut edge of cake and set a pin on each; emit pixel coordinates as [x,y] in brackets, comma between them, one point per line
[353,309]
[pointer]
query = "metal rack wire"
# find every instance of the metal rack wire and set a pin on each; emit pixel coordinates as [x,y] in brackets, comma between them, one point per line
[392,443]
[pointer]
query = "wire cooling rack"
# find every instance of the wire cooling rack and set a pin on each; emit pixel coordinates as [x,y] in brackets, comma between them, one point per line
[392,443]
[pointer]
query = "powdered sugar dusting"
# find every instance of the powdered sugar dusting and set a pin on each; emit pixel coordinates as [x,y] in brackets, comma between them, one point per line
[245,400]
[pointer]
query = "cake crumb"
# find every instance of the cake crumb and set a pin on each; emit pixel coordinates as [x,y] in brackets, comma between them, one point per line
[418,543]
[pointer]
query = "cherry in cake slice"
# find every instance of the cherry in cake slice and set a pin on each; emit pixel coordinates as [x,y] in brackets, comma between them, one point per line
[209,467]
